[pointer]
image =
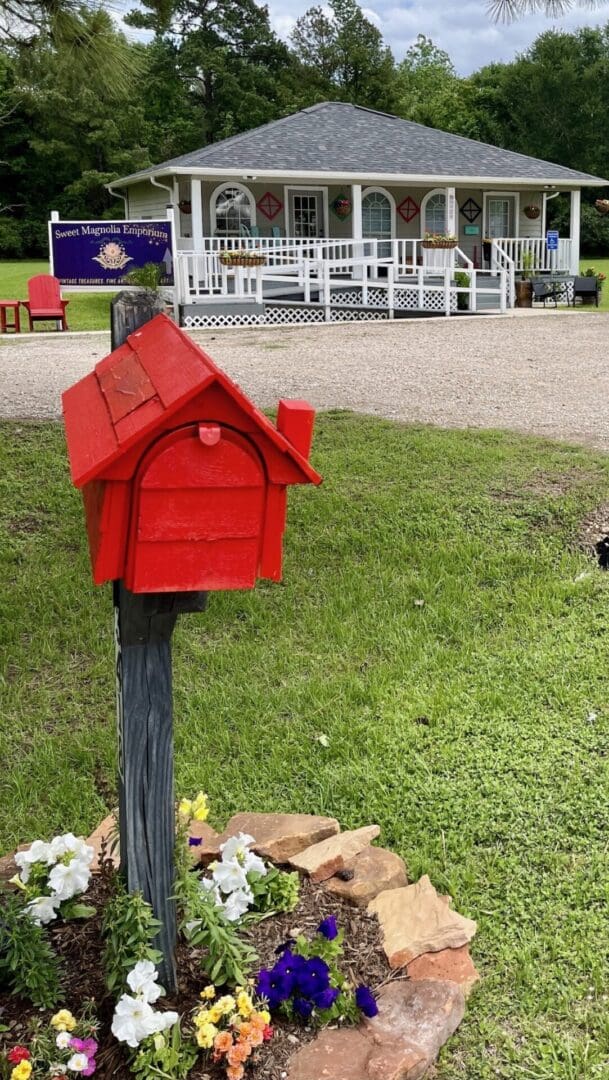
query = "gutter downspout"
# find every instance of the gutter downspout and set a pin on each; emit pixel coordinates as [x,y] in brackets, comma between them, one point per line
[546,199]
[118,195]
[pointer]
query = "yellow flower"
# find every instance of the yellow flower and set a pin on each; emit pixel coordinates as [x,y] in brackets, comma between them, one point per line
[206,1036]
[63,1021]
[17,882]
[22,1071]
[209,993]
[215,1013]
[265,1015]
[201,1018]
[244,1004]
[200,809]
[185,808]
[226,1004]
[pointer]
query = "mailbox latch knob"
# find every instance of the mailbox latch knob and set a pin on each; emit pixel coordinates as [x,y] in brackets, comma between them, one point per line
[209,434]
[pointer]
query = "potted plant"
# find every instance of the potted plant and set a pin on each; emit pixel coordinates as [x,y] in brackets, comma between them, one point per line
[439,240]
[600,279]
[149,277]
[602,205]
[532,211]
[524,286]
[462,279]
[185,206]
[244,257]
[342,206]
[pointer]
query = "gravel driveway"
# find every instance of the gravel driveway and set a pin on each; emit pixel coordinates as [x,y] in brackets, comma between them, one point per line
[547,373]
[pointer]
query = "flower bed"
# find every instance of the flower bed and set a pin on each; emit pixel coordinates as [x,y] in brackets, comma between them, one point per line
[269,964]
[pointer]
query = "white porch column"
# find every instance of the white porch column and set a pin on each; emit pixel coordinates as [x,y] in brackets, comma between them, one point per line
[451,211]
[357,229]
[196,205]
[576,199]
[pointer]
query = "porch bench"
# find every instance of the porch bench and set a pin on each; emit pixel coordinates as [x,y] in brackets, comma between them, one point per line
[585,288]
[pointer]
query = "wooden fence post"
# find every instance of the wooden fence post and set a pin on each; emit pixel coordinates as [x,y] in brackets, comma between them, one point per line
[144,624]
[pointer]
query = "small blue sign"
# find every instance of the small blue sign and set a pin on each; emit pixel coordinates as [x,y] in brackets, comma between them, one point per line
[552,239]
[103,252]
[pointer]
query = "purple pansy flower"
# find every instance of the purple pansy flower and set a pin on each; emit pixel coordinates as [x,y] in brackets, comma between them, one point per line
[303,1007]
[195,841]
[326,998]
[328,928]
[313,977]
[365,1000]
[275,986]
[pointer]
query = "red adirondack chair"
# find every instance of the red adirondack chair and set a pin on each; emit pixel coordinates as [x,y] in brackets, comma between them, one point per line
[44,300]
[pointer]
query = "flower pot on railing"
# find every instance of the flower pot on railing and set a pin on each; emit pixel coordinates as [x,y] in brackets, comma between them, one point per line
[242,258]
[532,212]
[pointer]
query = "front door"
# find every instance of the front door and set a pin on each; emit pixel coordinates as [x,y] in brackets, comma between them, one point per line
[377,221]
[307,214]
[500,216]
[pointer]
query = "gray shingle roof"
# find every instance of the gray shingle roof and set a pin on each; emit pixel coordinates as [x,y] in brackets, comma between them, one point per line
[336,137]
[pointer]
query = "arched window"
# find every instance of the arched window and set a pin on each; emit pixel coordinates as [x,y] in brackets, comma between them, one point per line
[378,213]
[232,210]
[434,212]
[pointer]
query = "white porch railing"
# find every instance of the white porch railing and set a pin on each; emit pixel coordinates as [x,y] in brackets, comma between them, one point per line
[501,262]
[203,278]
[531,253]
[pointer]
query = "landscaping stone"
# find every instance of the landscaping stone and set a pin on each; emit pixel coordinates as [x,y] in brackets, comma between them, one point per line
[103,832]
[415,920]
[453,965]
[372,871]
[277,836]
[415,1019]
[321,861]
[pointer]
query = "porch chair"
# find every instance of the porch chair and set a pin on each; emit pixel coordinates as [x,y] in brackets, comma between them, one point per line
[249,230]
[44,301]
[585,287]
[543,291]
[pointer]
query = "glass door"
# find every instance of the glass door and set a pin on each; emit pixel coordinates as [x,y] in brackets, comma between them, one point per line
[377,221]
[306,214]
[500,214]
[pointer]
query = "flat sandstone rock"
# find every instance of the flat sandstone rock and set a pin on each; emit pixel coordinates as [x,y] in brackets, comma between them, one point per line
[415,920]
[277,836]
[401,1043]
[374,870]
[323,860]
[449,965]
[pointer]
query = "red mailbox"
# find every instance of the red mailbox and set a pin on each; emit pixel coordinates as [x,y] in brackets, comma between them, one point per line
[183,478]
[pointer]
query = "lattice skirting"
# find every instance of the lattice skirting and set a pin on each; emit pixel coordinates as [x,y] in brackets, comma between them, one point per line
[282,316]
[403,299]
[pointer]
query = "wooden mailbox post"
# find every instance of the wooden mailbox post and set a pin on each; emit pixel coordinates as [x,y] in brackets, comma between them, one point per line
[184,483]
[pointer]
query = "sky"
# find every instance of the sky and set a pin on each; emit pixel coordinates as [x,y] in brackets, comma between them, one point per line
[461,27]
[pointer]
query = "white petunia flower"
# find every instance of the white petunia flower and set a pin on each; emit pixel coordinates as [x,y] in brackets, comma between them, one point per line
[165,1020]
[133,1020]
[236,847]
[237,904]
[209,885]
[68,880]
[43,909]
[142,981]
[38,852]
[62,845]
[78,1062]
[230,876]
[63,1040]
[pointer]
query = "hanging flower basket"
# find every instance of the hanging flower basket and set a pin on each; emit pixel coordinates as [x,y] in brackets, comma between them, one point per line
[185,206]
[342,207]
[602,205]
[242,258]
[439,240]
[532,212]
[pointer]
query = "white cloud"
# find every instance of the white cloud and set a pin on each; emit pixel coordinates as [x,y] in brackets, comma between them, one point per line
[463,29]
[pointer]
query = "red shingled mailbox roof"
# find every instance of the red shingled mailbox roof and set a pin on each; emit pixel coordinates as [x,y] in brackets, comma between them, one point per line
[155,373]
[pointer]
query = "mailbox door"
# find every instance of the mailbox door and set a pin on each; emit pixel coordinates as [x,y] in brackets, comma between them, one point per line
[198,512]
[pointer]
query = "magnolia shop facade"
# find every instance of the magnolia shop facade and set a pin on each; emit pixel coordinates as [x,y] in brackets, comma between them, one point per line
[339,212]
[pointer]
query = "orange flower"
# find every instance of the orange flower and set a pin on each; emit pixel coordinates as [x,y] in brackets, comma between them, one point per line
[235,1072]
[238,1053]
[223,1042]
[253,1035]
[257,1021]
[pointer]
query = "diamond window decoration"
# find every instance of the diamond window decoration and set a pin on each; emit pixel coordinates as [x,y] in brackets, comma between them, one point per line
[408,209]
[471,210]
[269,205]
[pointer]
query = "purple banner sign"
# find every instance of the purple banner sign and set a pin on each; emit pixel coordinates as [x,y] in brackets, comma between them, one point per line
[103,252]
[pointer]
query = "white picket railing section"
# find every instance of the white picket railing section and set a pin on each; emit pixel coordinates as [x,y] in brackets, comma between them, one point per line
[501,262]
[531,253]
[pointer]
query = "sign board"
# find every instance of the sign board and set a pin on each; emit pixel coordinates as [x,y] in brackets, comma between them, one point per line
[552,239]
[471,230]
[101,253]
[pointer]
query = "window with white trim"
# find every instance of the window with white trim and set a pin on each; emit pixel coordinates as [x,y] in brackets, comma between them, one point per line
[376,216]
[232,211]
[435,213]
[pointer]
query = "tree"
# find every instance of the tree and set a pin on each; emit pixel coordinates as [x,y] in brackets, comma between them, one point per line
[508,10]
[348,53]
[429,89]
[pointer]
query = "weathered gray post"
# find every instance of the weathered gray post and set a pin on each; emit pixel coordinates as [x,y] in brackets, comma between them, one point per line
[144,624]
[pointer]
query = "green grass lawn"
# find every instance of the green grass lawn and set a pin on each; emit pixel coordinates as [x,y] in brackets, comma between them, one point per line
[86,311]
[439,624]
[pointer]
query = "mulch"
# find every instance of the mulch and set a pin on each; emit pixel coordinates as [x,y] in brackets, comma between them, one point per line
[80,945]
